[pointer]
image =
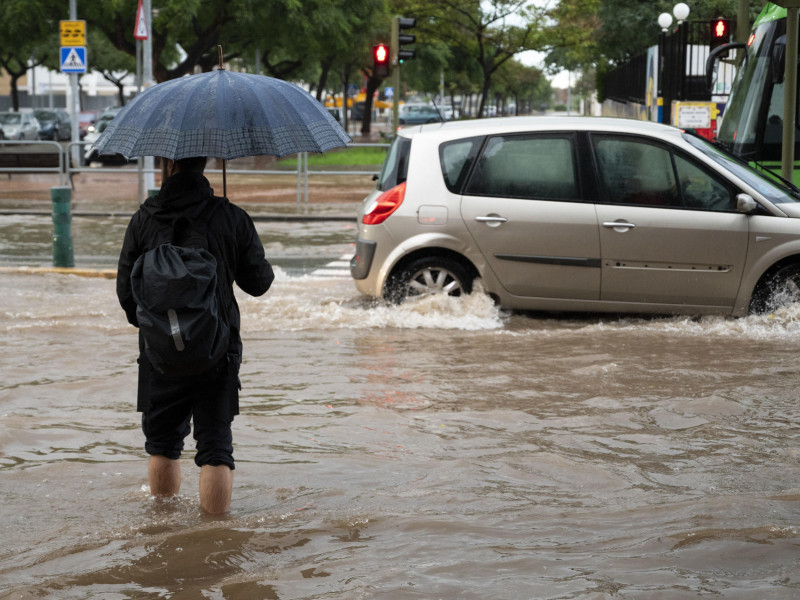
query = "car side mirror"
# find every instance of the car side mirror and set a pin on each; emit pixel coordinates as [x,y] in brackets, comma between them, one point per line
[745,204]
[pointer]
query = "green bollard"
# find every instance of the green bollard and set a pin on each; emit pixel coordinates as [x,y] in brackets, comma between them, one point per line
[62,220]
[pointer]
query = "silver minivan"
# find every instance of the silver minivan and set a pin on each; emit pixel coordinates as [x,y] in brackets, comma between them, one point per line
[578,214]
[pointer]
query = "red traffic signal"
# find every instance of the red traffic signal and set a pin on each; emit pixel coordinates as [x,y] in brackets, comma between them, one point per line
[720,32]
[380,60]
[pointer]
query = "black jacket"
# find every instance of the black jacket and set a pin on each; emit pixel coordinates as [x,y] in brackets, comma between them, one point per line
[232,240]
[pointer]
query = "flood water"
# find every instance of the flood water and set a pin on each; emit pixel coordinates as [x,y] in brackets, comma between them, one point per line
[438,450]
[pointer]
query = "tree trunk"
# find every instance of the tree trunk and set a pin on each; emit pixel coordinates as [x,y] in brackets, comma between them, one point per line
[487,83]
[15,91]
[323,77]
[373,83]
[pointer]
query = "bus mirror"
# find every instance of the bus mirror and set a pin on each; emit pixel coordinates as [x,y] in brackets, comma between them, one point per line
[778,63]
[716,55]
[745,204]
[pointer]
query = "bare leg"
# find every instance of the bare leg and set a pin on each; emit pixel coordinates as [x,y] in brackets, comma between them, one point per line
[216,487]
[165,476]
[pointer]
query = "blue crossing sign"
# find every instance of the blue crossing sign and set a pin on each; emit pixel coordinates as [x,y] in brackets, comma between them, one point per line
[73,59]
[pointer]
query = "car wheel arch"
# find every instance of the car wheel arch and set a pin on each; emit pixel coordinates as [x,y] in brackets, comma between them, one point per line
[761,292]
[429,252]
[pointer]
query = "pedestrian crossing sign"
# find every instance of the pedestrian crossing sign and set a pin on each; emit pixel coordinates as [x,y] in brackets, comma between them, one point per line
[73,59]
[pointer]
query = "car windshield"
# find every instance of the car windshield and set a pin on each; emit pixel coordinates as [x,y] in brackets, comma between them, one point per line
[45,115]
[773,190]
[9,119]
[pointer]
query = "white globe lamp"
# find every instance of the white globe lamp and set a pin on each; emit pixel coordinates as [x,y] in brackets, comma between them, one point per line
[681,11]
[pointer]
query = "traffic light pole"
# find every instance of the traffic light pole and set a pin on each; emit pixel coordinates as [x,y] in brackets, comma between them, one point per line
[399,54]
[394,46]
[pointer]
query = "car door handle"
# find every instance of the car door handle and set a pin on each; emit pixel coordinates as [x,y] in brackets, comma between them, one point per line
[619,224]
[491,219]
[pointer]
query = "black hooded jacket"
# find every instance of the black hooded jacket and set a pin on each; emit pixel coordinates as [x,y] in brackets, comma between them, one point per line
[232,240]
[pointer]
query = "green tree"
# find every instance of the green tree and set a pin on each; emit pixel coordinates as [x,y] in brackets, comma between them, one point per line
[29,30]
[195,26]
[490,32]
[104,58]
[526,85]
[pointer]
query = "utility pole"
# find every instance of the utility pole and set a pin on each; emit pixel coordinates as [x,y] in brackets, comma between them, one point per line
[394,44]
[74,100]
[147,51]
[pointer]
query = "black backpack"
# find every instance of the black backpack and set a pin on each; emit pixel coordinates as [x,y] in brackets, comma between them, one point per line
[179,309]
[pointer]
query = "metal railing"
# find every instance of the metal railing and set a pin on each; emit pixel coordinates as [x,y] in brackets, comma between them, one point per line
[48,148]
[302,172]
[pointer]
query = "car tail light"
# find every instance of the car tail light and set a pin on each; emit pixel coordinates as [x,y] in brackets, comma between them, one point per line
[384,205]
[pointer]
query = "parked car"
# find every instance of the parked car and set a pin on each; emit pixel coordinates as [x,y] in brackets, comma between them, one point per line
[416,114]
[19,126]
[86,119]
[91,155]
[578,214]
[54,124]
[336,113]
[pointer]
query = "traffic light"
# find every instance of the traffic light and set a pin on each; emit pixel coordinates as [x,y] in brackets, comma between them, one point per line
[380,61]
[720,33]
[399,24]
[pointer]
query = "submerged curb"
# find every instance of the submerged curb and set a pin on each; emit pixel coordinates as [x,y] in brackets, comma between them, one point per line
[80,272]
[253,216]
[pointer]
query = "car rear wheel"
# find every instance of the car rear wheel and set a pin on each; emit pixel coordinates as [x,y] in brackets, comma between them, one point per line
[778,289]
[426,277]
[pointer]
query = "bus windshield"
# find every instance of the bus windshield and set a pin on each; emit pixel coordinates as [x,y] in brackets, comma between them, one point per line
[772,189]
[738,132]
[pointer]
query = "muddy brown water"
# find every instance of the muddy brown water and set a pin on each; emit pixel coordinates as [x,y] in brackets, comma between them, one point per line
[437,450]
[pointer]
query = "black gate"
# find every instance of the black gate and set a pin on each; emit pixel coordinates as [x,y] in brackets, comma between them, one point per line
[682,55]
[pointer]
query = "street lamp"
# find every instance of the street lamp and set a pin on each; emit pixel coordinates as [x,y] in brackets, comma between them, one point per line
[681,11]
[664,21]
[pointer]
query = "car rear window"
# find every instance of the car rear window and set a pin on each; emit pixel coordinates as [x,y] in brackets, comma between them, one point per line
[456,158]
[395,167]
[528,167]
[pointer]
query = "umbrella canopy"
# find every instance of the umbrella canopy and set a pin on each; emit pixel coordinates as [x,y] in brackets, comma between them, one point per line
[222,114]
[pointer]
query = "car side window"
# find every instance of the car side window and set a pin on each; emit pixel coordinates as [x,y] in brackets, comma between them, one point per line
[702,190]
[527,167]
[456,158]
[395,166]
[635,172]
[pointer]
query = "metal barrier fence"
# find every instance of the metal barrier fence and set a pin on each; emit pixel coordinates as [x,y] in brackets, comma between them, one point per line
[301,171]
[54,157]
[39,156]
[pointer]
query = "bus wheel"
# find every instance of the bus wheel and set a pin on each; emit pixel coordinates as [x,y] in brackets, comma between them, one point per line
[776,290]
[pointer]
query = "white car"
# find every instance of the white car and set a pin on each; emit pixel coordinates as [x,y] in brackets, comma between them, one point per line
[578,214]
[93,132]
[19,126]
